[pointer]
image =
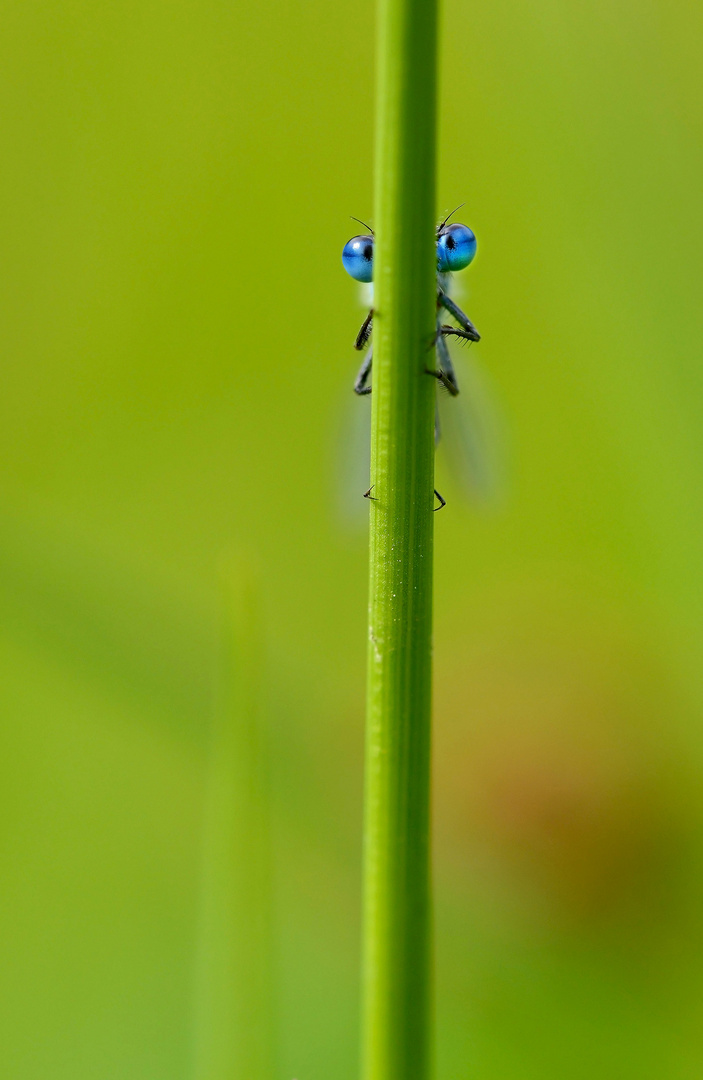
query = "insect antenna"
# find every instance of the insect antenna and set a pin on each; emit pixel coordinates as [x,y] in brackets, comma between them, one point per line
[368,226]
[440,227]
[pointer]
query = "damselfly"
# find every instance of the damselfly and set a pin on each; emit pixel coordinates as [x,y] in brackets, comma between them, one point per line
[456,248]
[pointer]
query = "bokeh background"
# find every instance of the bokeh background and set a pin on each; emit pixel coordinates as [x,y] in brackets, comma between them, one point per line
[176,327]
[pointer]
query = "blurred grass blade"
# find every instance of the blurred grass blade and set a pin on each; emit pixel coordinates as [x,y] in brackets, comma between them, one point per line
[396,972]
[234,1010]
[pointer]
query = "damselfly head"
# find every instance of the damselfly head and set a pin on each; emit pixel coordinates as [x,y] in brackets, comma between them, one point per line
[456,248]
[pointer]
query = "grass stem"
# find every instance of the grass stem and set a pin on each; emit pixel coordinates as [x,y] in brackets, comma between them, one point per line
[234,1011]
[396,966]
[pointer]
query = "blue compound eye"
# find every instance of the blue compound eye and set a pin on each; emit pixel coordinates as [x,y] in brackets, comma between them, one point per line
[456,247]
[357,258]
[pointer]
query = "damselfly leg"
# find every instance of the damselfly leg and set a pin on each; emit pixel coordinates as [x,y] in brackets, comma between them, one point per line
[360,386]
[445,375]
[365,333]
[445,301]
[442,502]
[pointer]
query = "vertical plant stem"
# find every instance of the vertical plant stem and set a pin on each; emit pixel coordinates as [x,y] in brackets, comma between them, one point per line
[396,975]
[234,1012]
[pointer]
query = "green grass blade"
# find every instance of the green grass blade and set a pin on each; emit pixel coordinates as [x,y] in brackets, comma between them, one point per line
[234,1010]
[396,977]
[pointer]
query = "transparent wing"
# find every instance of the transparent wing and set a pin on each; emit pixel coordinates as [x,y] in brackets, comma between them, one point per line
[471,447]
[471,432]
[351,441]
[352,458]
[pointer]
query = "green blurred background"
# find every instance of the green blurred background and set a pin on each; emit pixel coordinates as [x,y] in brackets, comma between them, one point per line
[177,180]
